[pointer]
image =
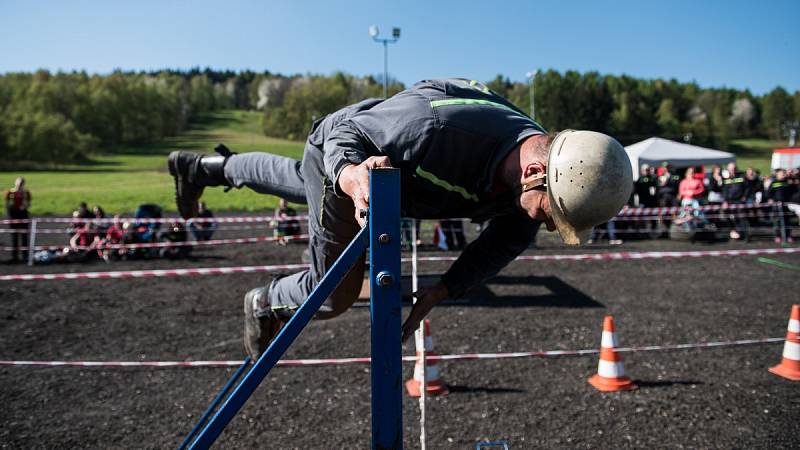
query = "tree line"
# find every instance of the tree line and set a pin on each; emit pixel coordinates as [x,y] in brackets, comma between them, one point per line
[66,117]
[633,109]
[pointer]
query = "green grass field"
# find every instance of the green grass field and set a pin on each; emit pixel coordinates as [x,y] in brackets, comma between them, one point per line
[755,153]
[126,177]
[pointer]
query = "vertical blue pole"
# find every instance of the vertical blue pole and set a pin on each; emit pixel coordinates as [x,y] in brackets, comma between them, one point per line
[385,309]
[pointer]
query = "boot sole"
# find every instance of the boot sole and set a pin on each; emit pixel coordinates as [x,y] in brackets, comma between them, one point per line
[185,208]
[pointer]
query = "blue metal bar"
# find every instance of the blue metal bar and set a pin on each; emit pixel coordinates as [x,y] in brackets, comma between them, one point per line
[385,309]
[281,343]
[213,406]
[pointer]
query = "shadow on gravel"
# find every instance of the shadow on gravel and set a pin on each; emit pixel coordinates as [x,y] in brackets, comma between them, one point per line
[482,390]
[665,383]
[547,292]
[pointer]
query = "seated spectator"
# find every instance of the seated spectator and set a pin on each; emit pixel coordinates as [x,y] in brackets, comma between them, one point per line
[284,222]
[114,235]
[100,223]
[690,189]
[175,233]
[82,245]
[202,230]
[79,218]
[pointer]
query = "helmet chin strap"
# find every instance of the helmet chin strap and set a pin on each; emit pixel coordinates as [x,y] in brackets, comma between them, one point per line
[538,183]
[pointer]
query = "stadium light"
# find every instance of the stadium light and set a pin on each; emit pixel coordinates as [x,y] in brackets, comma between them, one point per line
[374,33]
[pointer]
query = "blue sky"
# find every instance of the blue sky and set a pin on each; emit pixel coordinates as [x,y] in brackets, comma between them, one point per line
[740,44]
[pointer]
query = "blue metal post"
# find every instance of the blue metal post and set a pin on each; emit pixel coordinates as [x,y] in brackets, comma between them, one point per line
[385,309]
[281,343]
[221,396]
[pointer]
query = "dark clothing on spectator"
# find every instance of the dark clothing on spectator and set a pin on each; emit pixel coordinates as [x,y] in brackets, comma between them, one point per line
[17,202]
[286,225]
[734,188]
[453,230]
[203,230]
[668,189]
[779,191]
[752,187]
[645,187]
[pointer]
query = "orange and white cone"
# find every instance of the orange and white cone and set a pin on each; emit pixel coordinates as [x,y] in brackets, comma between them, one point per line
[610,375]
[434,385]
[790,365]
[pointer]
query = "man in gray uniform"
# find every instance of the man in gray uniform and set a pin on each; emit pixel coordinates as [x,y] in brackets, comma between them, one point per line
[463,151]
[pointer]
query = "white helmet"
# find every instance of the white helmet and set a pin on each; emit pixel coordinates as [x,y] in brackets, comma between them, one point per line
[589,179]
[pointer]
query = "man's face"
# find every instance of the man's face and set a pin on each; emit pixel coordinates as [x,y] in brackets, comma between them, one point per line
[538,208]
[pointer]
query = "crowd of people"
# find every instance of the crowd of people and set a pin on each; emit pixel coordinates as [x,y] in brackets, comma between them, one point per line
[729,188]
[92,235]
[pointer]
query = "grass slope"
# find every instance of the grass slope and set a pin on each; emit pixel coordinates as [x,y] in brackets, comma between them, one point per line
[126,177]
[129,176]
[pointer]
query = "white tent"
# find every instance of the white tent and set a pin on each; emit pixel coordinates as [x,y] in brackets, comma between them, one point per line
[655,151]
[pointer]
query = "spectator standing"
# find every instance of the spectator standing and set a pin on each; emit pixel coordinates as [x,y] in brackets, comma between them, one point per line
[753,186]
[204,229]
[645,188]
[778,193]
[714,185]
[18,202]
[690,189]
[285,222]
[453,230]
[667,187]
[734,192]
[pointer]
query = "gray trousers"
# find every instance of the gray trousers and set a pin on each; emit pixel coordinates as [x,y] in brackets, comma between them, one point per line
[331,227]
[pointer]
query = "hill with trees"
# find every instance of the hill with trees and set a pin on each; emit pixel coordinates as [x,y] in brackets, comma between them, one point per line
[54,118]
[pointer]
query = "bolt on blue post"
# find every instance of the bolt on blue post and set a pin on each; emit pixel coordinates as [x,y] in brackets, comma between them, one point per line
[385,309]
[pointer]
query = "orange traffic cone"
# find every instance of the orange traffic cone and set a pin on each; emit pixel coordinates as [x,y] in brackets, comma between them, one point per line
[610,375]
[434,385]
[790,365]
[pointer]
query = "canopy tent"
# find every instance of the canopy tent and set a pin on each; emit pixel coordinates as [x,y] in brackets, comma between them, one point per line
[655,151]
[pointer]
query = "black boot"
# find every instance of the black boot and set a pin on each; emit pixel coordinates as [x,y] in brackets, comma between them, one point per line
[258,329]
[192,173]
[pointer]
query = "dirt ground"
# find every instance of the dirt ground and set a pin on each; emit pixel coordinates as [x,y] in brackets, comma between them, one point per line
[713,398]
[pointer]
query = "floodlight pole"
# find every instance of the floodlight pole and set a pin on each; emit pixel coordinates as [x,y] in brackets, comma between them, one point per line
[373,31]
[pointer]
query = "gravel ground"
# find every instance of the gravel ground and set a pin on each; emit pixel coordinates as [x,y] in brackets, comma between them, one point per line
[712,398]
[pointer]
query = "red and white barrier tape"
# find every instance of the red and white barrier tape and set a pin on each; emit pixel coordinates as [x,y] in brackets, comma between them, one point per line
[634,255]
[676,209]
[625,212]
[366,360]
[234,219]
[152,273]
[210,242]
[276,268]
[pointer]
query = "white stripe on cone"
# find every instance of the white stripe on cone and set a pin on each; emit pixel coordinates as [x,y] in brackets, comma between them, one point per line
[791,350]
[611,369]
[794,326]
[609,340]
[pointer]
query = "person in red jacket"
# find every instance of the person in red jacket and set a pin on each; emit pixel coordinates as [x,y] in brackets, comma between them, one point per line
[690,189]
[18,201]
